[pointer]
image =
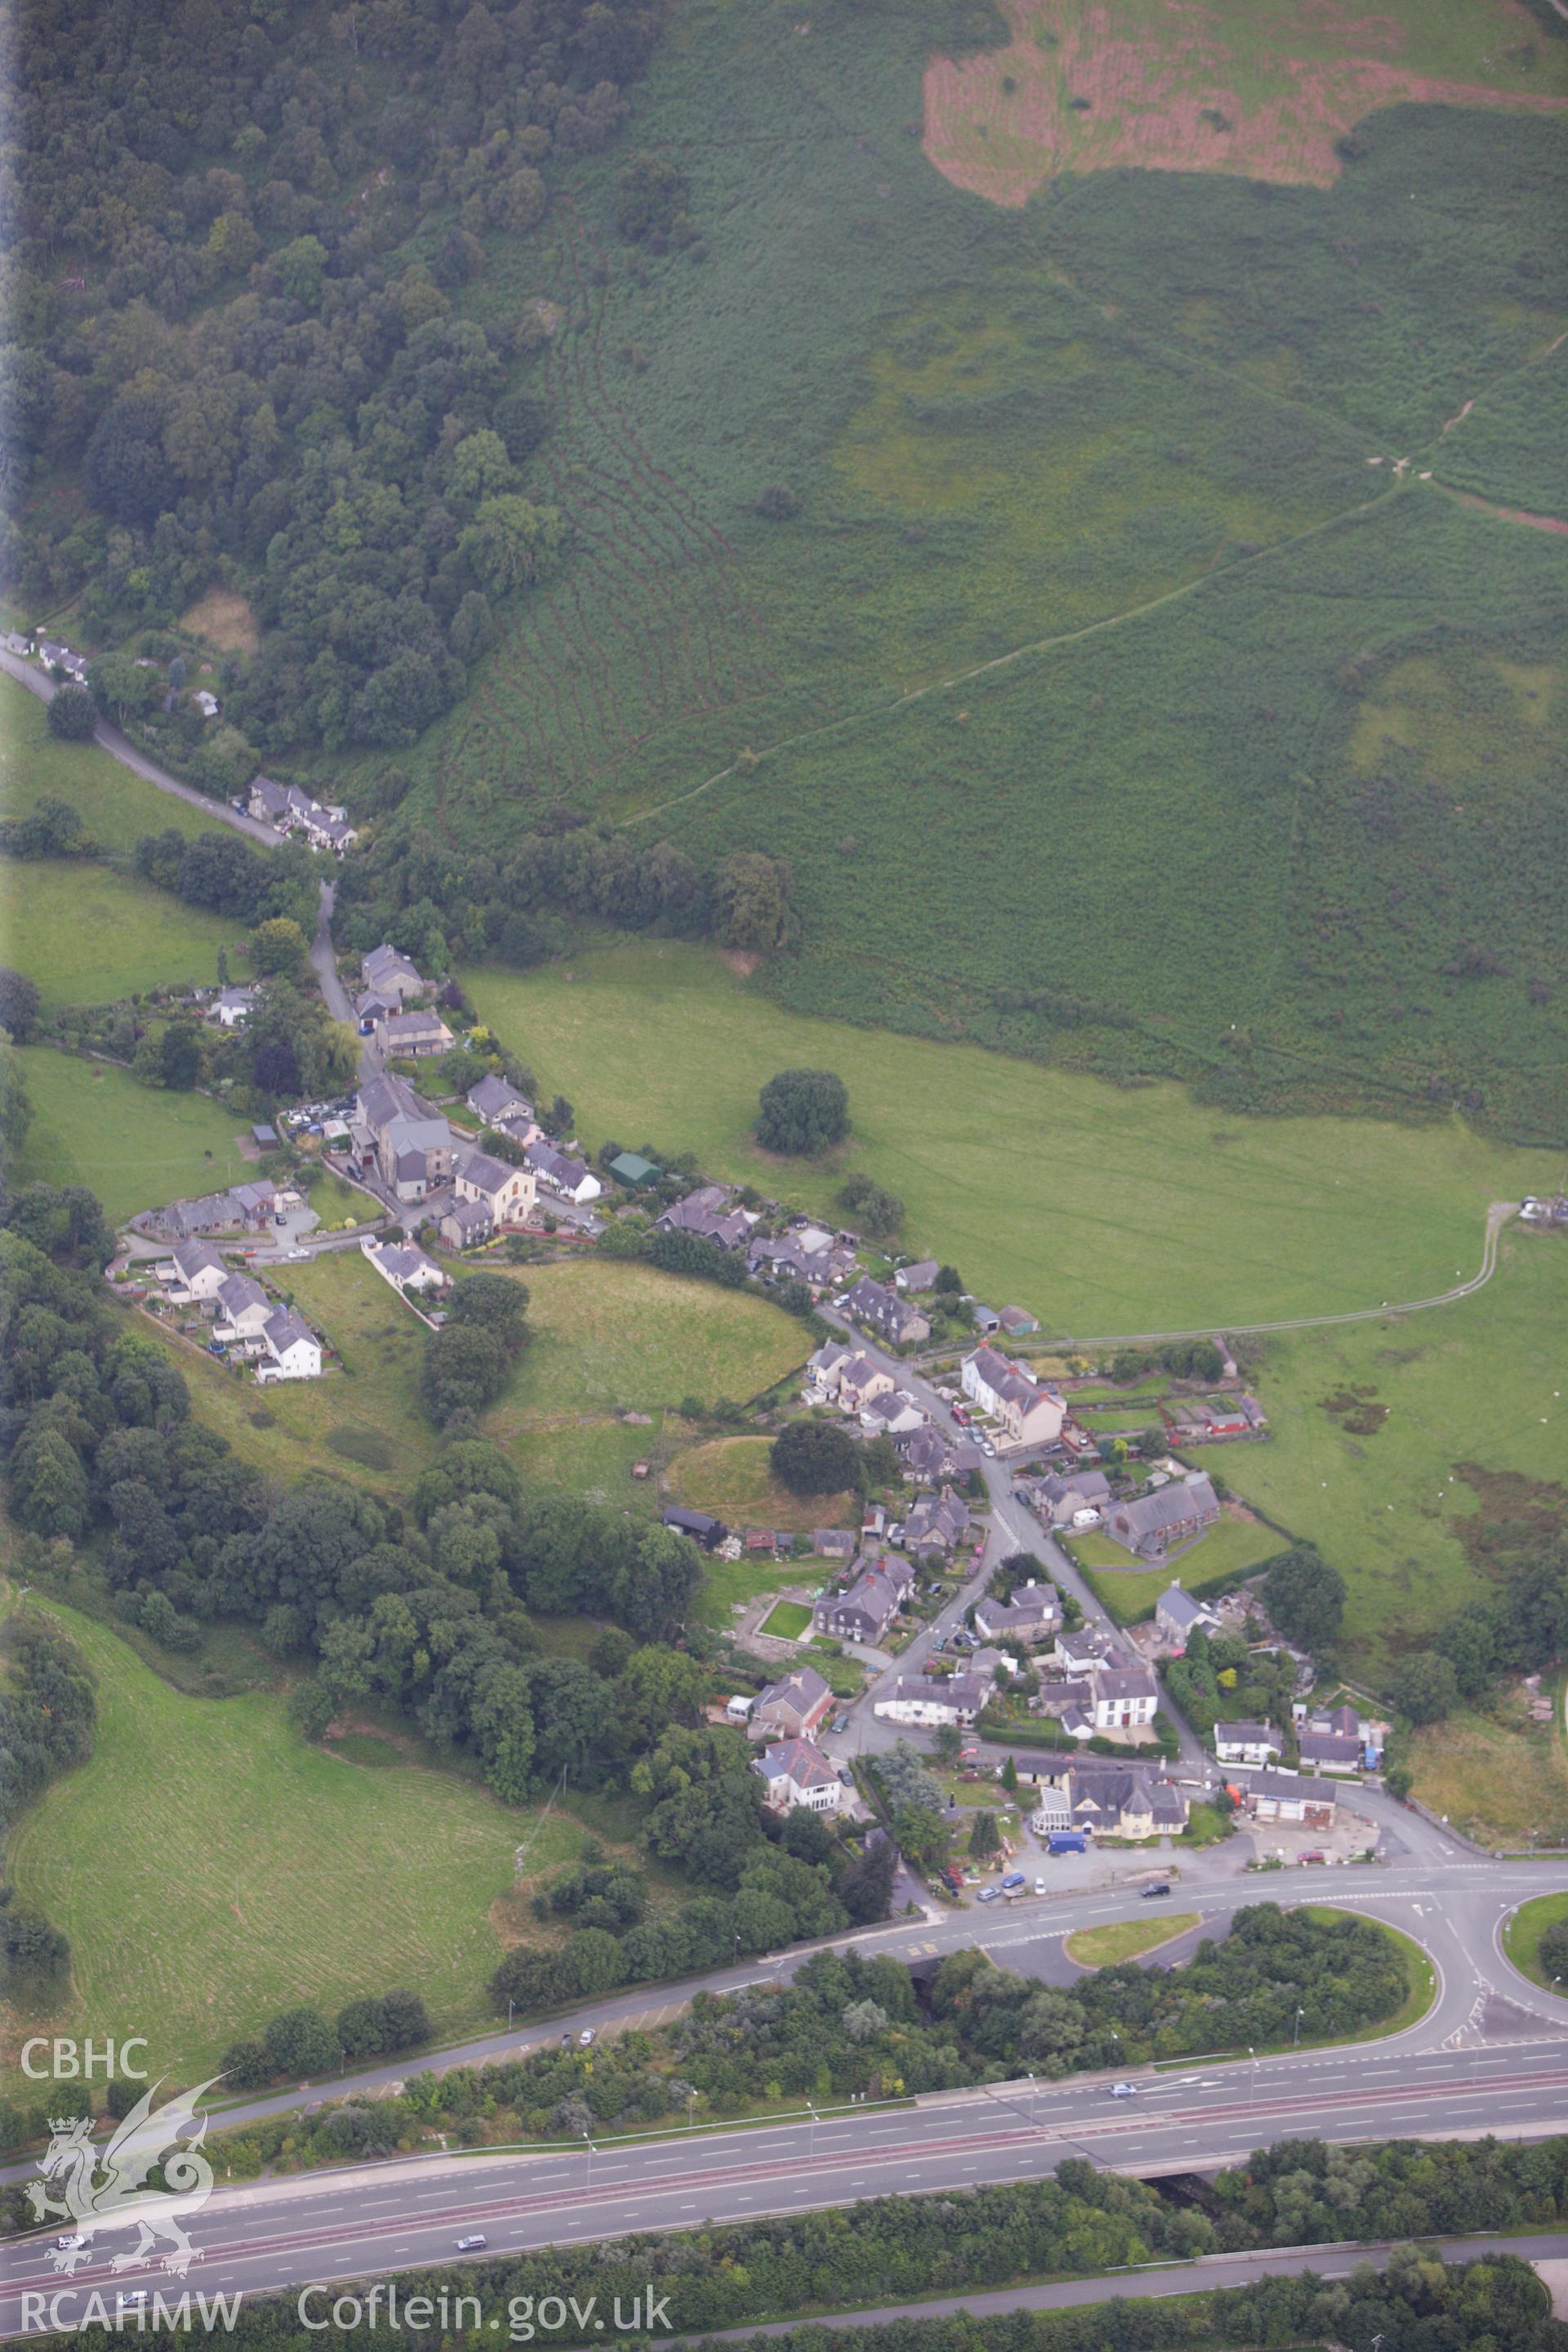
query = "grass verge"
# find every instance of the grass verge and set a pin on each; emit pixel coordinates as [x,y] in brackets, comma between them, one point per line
[1127,1939]
[1521,1937]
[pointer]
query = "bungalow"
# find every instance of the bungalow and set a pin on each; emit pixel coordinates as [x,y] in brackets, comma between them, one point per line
[466,1223]
[1126,1698]
[496,1100]
[891,1317]
[56,656]
[561,1173]
[231,1008]
[931,1701]
[921,1275]
[706,1213]
[1173,1515]
[865,1613]
[1016,1321]
[1177,1615]
[194,1271]
[293,1350]
[404,1269]
[935,1524]
[243,1308]
[859,1380]
[833,1543]
[1330,1751]
[798,1773]
[507,1192]
[391,975]
[1291,1797]
[793,1707]
[699,1525]
[1029,1413]
[1247,1743]
[413,1036]
[1029,1616]
[629,1167]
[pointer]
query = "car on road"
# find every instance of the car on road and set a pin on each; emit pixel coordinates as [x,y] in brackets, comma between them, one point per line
[472,2245]
[1163,1887]
[989,1894]
[586,2039]
[69,2245]
[1124,2090]
[986,1447]
[299,1253]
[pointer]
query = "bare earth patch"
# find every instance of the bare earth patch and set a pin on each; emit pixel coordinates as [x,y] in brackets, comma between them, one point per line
[224,620]
[1173,87]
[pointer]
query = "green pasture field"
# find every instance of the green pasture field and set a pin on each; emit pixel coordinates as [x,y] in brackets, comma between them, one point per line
[135,1146]
[1102,1210]
[609,1334]
[211,1869]
[1522,1933]
[334,1202]
[115,804]
[1478,1383]
[1499,1777]
[89,935]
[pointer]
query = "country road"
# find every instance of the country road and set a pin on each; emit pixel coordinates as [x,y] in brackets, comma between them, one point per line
[119,746]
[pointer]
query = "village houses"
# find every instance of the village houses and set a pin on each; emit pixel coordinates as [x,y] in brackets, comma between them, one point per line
[405,1267]
[793,1707]
[1156,1522]
[1027,1412]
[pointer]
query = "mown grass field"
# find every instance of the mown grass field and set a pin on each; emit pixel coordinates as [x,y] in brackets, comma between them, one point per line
[210,1869]
[88,934]
[116,805]
[1480,1383]
[1100,1209]
[136,1147]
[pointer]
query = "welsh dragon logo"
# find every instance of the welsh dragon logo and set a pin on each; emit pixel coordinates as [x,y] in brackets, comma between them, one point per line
[106,2188]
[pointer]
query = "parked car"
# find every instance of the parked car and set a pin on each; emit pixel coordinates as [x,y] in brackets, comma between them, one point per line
[472,2245]
[1314,1856]
[586,2039]
[989,1894]
[1040,1886]
[840,1723]
[1014,1879]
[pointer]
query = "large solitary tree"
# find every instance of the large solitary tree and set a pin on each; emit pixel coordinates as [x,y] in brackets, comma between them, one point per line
[803,1111]
[815,1457]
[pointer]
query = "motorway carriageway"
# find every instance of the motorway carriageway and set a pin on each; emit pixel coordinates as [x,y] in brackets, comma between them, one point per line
[342,2225]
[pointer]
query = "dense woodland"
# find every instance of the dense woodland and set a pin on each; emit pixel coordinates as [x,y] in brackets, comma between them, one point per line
[224,338]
